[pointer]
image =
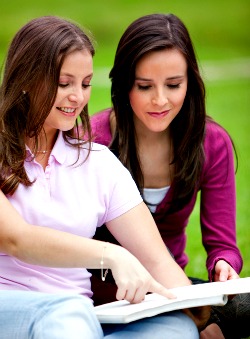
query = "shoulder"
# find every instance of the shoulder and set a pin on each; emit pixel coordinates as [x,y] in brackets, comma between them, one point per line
[100,155]
[101,117]
[96,161]
[216,137]
[92,155]
[100,126]
[218,148]
[107,171]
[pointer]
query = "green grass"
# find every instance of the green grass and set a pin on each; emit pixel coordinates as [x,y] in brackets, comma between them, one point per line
[220,32]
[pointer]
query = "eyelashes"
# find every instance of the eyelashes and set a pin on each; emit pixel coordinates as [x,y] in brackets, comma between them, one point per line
[147,87]
[174,86]
[84,86]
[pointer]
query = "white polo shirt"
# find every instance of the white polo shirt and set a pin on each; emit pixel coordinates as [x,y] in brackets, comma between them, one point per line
[71,198]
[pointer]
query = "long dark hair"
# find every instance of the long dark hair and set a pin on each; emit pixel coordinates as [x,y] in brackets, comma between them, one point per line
[152,33]
[29,88]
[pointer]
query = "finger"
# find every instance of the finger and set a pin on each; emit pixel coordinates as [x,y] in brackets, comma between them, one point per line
[233,275]
[223,275]
[130,295]
[155,287]
[121,293]
[138,297]
[134,296]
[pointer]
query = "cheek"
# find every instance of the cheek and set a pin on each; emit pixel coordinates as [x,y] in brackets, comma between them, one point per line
[136,100]
[87,95]
[179,98]
[131,96]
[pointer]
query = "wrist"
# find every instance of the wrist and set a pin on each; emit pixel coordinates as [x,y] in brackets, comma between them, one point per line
[114,256]
[104,269]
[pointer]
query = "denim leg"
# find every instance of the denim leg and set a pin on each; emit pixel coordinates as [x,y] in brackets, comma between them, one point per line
[172,325]
[34,315]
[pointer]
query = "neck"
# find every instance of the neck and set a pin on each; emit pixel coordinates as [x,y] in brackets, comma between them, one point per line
[150,138]
[45,143]
[44,151]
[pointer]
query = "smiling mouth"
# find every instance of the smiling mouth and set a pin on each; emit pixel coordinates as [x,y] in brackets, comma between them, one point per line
[69,112]
[159,114]
[66,109]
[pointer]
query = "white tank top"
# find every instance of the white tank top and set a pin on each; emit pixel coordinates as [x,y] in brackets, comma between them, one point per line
[153,196]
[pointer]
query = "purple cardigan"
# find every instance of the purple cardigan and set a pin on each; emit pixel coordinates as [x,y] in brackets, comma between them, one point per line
[217,201]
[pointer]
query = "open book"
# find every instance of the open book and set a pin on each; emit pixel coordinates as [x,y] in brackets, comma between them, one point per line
[213,293]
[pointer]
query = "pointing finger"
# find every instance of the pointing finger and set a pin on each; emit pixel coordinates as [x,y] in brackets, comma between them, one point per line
[158,288]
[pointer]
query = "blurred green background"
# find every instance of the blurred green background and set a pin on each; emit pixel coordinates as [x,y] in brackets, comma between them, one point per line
[220,31]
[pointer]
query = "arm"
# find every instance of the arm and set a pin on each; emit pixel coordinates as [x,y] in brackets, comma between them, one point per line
[218,205]
[137,232]
[147,245]
[17,239]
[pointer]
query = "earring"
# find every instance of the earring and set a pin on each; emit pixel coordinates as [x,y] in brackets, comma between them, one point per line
[24,92]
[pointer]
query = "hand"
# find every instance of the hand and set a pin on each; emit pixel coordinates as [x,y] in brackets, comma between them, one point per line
[199,315]
[212,331]
[132,279]
[223,271]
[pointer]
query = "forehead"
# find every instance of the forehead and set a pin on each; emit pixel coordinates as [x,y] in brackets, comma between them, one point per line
[171,60]
[78,62]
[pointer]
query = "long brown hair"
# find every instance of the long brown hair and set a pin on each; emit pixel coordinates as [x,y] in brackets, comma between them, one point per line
[29,88]
[152,33]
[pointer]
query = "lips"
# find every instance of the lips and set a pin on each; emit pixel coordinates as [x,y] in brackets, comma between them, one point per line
[159,114]
[67,111]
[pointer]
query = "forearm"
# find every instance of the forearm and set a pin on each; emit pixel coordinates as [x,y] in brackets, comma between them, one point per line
[45,246]
[169,274]
[48,247]
[148,246]
[218,201]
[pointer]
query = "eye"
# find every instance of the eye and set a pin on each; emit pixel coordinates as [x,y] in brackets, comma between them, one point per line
[173,86]
[143,87]
[63,85]
[84,86]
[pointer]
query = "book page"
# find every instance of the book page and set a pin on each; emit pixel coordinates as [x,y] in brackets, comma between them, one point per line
[229,287]
[214,293]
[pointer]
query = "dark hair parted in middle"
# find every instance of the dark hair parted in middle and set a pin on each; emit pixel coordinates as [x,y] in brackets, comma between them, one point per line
[149,33]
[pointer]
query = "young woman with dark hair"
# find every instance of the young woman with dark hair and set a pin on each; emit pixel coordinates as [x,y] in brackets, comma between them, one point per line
[159,130]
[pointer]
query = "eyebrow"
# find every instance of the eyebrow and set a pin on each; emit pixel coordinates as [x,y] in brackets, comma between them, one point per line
[176,77]
[72,76]
[66,75]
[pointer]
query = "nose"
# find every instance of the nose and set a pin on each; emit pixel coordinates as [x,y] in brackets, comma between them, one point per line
[76,96]
[160,98]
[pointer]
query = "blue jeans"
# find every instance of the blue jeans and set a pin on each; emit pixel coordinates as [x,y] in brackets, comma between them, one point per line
[34,315]
[172,325]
